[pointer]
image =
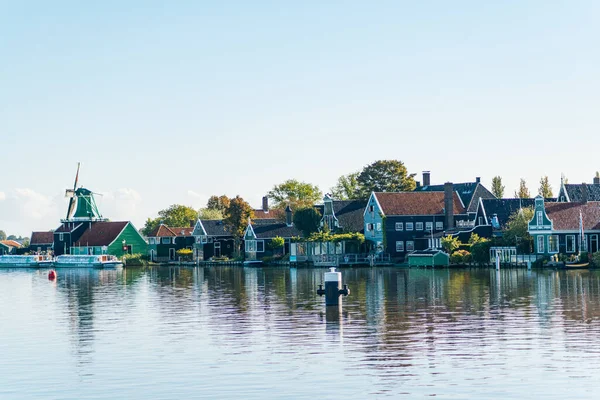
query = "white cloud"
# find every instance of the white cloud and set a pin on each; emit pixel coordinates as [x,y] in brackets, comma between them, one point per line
[120,205]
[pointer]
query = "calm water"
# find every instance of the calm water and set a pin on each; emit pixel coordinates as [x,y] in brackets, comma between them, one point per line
[176,333]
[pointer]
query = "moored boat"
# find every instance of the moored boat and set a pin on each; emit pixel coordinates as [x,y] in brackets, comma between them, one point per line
[96,261]
[577,265]
[35,260]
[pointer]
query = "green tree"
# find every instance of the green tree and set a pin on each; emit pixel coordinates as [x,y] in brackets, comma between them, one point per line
[545,189]
[347,188]
[276,243]
[237,215]
[2,235]
[12,237]
[220,203]
[385,176]
[26,242]
[497,187]
[450,244]
[523,192]
[210,213]
[295,193]
[516,231]
[174,216]
[307,220]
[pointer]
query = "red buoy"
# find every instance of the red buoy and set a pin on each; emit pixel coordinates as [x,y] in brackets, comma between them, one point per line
[52,274]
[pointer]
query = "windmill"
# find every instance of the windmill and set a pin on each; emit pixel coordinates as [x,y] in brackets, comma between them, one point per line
[82,206]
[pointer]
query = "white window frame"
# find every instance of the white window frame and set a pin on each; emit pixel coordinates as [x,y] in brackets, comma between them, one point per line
[428,226]
[418,226]
[379,227]
[165,240]
[479,220]
[203,239]
[550,249]
[410,245]
[250,246]
[260,246]
[399,226]
[410,226]
[61,237]
[439,225]
[371,208]
[567,244]
[399,246]
[540,244]
[540,218]
[369,226]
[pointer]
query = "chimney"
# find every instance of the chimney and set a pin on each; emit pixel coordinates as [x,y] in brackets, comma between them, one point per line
[288,216]
[449,204]
[418,184]
[426,178]
[584,193]
[265,204]
[478,180]
[597,180]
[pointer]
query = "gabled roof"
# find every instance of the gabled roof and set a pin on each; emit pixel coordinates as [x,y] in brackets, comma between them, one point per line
[161,231]
[101,233]
[575,192]
[504,208]
[271,230]
[416,203]
[12,243]
[565,216]
[349,213]
[215,227]
[469,192]
[41,238]
[68,227]
[270,214]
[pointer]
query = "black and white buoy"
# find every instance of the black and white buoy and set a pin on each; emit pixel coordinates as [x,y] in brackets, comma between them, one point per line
[332,291]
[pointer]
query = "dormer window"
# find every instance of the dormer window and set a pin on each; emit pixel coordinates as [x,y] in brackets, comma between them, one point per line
[540,218]
[371,208]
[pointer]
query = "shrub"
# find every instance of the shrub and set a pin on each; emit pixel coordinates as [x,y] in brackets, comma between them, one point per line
[184,254]
[450,244]
[460,257]
[480,251]
[135,260]
[584,257]
[595,259]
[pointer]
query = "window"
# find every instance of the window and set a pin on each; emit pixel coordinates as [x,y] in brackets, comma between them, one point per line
[439,226]
[553,244]
[480,221]
[570,243]
[419,226]
[379,226]
[260,245]
[428,226]
[409,226]
[399,226]
[250,246]
[369,227]
[371,208]
[562,199]
[61,237]
[410,245]
[165,240]
[540,218]
[203,239]
[540,244]
[399,247]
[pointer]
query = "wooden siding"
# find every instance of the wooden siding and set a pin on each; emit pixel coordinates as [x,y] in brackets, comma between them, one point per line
[133,239]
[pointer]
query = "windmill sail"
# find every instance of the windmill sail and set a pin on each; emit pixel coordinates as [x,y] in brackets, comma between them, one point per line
[71,195]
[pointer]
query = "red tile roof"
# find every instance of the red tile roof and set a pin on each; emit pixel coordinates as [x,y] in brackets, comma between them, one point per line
[165,231]
[565,216]
[416,203]
[41,238]
[101,233]
[262,214]
[12,243]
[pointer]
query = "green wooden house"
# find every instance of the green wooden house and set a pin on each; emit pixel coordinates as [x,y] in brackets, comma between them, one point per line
[428,258]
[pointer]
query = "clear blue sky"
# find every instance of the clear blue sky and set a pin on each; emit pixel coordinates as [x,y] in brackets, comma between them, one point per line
[170,102]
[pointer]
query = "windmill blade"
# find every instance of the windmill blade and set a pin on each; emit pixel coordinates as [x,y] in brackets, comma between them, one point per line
[69,193]
[76,176]
[98,194]
[72,195]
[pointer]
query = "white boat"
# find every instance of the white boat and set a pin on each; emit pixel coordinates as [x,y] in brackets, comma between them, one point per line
[25,261]
[96,261]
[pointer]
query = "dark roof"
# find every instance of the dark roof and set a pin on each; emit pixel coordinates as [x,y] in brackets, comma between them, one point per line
[469,193]
[215,227]
[504,208]
[41,238]
[565,216]
[416,203]
[101,233]
[269,231]
[575,192]
[349,214]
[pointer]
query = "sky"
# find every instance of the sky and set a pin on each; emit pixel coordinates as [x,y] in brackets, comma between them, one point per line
[171,102]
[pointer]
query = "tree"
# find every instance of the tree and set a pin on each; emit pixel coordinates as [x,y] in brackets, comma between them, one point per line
[545,189]
[12,237]
[237,215]
[450,244]
[347,188]
[385,176]
[210,213]
[497,187]
[276,243]
[516,231]
[295,193]
[307,220]
[2,235]
[220,203]
[174,216]
[523,192]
